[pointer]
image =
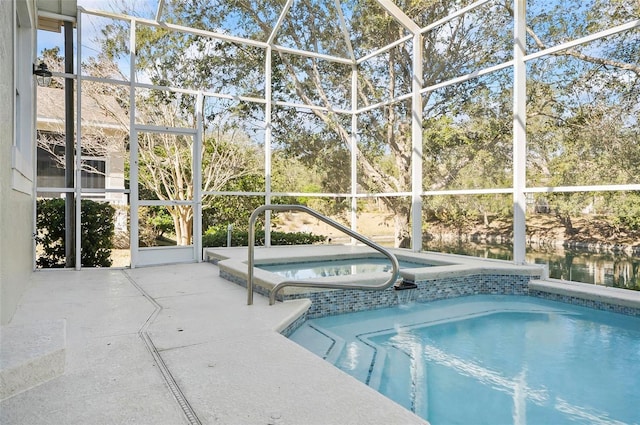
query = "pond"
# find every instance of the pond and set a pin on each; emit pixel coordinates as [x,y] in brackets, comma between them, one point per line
[609,269]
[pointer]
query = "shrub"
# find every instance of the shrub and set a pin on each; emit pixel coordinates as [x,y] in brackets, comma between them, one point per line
[153,223]
[627,211]
[215,237]
[97,233]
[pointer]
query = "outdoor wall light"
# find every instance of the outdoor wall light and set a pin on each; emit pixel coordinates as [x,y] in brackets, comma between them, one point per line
[43,75]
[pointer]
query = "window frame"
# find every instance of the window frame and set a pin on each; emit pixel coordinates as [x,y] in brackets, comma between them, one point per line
[24,108]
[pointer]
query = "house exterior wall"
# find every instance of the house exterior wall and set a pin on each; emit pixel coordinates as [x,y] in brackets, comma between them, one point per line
[17,152]
[99,130]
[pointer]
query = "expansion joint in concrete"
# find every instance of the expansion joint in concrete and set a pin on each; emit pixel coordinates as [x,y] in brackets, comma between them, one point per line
[164,370]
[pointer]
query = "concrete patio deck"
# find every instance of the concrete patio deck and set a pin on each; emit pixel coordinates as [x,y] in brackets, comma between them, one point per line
[176,345]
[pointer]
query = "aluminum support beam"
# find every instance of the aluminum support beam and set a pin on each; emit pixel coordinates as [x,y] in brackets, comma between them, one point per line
[519,132]
[159,10]
[196,175]
[133,151]
[354,150]
[78,188]
[69,157]
[276,27]
[399,16]
[416,142]
[345,31]
[268,95]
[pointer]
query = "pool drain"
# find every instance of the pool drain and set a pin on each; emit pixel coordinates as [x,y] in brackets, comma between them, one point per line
[164,370]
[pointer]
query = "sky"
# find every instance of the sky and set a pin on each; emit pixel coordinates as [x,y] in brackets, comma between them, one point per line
[48,39]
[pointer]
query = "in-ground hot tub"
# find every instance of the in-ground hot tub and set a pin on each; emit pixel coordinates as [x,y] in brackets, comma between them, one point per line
[435,275]
[338,267]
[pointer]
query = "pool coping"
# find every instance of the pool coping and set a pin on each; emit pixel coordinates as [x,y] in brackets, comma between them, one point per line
[570,292]
[459,270]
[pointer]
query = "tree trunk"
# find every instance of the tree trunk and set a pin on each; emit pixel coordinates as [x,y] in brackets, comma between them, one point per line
[175,215]
[186,222]
[565,219]
[402,222]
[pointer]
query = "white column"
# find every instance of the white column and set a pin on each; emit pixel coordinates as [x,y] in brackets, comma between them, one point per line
[267,143]
[197,179]
[78,178]
[519,132]
[133,150]
[354,150]
[416,145]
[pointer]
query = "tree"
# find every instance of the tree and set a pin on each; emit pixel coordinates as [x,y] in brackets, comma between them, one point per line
[165,160]
[583,104]
[319,136]
[166,165]
[471,149]
[224,210]
[99,139]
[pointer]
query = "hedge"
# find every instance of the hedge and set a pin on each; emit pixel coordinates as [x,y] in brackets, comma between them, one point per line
[97,233]
[218,237]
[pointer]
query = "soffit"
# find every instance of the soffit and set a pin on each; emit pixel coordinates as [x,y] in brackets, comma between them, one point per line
[55,7]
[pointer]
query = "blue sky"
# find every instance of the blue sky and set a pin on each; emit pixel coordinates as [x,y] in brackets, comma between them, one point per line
[48,39]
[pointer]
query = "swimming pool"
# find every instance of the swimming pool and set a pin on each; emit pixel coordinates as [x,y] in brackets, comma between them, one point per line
[490,359]
[337,267]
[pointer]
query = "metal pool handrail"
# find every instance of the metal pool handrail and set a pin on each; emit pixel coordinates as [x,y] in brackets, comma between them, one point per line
[301,283]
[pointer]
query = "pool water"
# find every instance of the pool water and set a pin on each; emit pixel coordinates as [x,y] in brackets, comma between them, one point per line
[490,359]
[327,268]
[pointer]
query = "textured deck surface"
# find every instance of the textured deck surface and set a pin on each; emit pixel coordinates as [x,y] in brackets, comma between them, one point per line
[178,345]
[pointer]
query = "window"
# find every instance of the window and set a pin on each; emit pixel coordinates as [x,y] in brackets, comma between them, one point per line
[51,167]
[22,152]
[93,173]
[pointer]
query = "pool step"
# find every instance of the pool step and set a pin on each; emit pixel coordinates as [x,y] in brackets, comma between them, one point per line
[356,358]
[313,340]
[30,354]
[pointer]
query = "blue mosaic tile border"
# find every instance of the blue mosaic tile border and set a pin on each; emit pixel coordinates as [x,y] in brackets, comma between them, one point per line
[333,302]
[242,281]
[598,305]
[294,325]
[329,303]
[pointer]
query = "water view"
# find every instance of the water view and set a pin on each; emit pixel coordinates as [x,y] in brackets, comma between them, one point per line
[608,269]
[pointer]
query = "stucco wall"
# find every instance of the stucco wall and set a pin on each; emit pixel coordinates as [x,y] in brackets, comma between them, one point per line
[16,207]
